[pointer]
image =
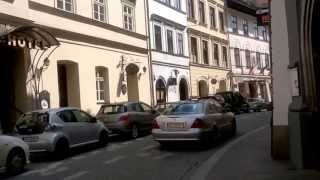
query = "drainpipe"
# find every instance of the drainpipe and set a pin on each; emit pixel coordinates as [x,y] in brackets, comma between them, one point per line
[147,19]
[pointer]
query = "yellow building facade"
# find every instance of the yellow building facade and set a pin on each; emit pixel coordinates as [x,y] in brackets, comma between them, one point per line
[208,47]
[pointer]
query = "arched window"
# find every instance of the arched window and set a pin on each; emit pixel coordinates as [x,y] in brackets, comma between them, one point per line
[160,91]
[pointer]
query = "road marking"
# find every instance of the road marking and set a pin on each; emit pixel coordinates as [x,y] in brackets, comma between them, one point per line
[75,176]
[113,147]
[127,143]
[43,170]
[163,156]
[79,157]
[115,159]
[204,169]
[149,147]
[144,154]
[95,152]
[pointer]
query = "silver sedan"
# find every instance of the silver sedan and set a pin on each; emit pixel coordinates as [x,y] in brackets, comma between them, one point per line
[194,121]
[58,130]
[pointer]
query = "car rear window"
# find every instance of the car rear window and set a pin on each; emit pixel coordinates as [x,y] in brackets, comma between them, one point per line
[32,123]
[114,109]
[188,108]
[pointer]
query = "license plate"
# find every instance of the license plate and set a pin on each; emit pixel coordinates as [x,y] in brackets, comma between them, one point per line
[30,138]
[176,125]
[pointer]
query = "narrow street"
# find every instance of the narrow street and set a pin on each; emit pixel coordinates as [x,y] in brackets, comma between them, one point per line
[141,158]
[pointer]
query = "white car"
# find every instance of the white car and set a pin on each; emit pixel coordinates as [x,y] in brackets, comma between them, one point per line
[14,155]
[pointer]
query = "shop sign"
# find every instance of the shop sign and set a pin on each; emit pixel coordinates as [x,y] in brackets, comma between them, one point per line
[263,17]
[22,42]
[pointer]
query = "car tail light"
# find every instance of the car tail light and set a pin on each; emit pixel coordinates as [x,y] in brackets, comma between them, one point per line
[155,125]
[124,118]
[198,123]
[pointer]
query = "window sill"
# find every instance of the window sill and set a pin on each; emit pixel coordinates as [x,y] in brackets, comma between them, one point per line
[203,24]
[192,19]
[101,102]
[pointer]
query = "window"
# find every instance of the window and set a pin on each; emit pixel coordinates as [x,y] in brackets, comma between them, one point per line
[202,18]
[264,33]
[160,92]
[255,29]
[248,60]
[221,18]
[66,5]
[190,9]
[267,61]
[177,4]
[170,41]
[245,27]
[146,108]
[101,84]
[194,50]
[135,107]
[237,57]
[224,56]
[180,43]
[234,24]
[205,52]
[158,37]
[128,17]
[67,116]
[99,10]
[213,24]
[258,57]
[216,54]
[82,116]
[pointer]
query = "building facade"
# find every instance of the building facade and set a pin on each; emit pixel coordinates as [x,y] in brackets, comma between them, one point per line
[208,46]
[102,54]
[296,85]
[249,52]
[169,50]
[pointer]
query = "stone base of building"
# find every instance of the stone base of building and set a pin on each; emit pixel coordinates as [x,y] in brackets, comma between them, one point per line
[305,139]
[280,142]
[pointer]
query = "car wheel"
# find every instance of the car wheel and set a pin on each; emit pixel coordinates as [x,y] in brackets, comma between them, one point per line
[61,149]
[16,162]
[103,139]
[134,131]
[234,127]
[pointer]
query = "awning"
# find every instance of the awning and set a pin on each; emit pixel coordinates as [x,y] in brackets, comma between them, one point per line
[29,37]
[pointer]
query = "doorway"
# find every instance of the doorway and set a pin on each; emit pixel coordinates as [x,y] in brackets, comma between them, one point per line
[161,91]
[68,82]
[13,93]
[132,82]
[183,89]
[203,89]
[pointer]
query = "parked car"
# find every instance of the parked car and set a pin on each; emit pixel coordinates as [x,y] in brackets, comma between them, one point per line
[58,130]
[128,118]
[233,101]
[14,155]
[201,120]
[258,104]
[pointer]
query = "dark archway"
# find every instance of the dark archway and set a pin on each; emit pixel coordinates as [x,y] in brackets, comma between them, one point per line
[183,89]
[161,91]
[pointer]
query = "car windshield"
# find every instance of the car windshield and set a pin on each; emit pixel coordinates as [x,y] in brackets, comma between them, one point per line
[188,108]
[114,109]
[32,123]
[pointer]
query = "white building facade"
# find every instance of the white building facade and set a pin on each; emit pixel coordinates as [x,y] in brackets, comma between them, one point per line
[249,52]
[169,50]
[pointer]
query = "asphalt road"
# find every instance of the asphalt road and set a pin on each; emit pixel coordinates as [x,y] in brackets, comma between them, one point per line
[139,159]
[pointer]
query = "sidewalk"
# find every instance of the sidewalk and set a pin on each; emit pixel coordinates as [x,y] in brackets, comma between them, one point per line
[250,159]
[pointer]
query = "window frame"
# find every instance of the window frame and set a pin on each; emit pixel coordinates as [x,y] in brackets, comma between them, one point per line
[248,61]
[161,36]
[213,20]
[196,60]
[245,26]
[190,10]
[237,57]
[224,56]
[202,19]
[234,24]
[105,6]
[172,40]
[216,53]
[222,21]
[180,50]
[132,6]
[203,42]
[73,5]
[99,79]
